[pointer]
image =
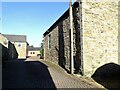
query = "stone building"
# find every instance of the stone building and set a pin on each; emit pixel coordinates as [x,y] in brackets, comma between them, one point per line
[4,47]
[8,51]
[20,44]
[96,36]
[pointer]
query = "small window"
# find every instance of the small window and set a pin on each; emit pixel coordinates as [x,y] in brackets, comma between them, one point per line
[49,41]
[33,52]
[19,45]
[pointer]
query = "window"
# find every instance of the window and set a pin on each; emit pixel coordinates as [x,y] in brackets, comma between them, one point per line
[19,45]
[49,41]
[32,52]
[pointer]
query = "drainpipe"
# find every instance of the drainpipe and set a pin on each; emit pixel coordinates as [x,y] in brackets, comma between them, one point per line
[71,34]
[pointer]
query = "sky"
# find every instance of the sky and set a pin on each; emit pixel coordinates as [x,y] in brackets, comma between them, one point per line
[30,18]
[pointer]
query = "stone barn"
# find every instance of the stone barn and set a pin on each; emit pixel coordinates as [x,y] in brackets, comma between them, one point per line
[96,36]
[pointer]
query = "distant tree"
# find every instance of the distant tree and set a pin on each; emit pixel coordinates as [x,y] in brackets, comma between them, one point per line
[32,46]
[42,52]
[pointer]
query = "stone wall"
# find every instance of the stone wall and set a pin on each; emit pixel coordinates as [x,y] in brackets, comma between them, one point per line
[51,54]
[100,34]
[60,44]
[3,41]
[4,46]
[60,41]
[8,50]
[66,42]
[119,32]
[96,37]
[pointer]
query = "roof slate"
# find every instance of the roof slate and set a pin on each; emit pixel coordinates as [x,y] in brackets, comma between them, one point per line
[34,48]
[15,38]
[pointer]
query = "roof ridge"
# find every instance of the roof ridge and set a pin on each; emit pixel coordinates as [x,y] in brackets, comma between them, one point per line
[13,35]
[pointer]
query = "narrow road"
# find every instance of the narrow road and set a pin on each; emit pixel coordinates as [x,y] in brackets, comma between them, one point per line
[20,74]
[39,74]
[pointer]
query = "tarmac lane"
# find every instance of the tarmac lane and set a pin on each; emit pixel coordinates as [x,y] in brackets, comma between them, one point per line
[20,74]
[34,73]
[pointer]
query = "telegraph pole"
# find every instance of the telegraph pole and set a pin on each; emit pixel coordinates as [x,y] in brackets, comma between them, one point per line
[71,33]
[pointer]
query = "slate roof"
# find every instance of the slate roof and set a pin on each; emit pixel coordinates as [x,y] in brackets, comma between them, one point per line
[15,38]
[33,48]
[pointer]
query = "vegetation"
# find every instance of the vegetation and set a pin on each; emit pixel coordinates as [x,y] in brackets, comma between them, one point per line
[42,52]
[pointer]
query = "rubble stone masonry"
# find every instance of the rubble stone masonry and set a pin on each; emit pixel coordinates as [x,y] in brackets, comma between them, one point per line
[60,47]
[51,54]
[96,36]
[100,34]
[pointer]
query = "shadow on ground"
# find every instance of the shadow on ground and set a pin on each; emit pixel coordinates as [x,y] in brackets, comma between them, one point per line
[21,74]
[108,75]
